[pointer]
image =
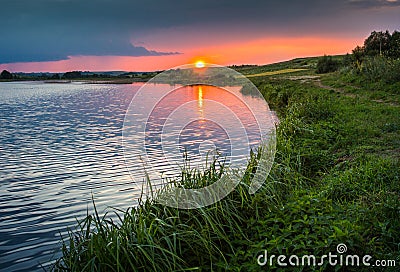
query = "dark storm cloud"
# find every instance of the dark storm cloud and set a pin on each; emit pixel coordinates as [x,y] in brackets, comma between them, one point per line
[60,47]
[374,3]
[44,30]
[47,30]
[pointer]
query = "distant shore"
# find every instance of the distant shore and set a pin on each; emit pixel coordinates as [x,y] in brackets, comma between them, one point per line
[87,81]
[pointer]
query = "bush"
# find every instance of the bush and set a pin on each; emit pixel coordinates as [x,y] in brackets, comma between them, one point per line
[326,65]
[381,69]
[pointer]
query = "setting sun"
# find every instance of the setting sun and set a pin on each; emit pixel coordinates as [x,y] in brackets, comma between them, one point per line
[199,64]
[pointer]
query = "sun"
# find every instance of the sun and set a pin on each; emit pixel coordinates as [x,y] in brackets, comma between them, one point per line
[199,64]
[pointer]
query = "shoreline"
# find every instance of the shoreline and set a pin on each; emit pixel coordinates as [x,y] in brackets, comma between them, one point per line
[334,181]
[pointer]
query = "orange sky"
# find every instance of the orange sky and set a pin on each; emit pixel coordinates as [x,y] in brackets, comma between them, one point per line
[67,35]
[256,51]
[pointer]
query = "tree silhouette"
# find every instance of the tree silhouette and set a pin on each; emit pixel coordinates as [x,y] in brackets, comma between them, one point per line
[394,51]
[72,75]
[6,75]
[378,43]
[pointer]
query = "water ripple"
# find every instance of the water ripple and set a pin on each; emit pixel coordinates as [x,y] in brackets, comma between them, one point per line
[59,144]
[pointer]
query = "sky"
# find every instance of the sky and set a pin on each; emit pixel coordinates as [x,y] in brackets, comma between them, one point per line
[131,35]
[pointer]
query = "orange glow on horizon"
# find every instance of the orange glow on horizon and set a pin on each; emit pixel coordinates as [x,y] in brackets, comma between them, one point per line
[259,51]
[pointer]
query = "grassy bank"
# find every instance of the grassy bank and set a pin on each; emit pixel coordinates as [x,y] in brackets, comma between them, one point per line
[335,180]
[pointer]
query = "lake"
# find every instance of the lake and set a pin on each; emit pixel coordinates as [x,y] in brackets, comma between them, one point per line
[61,144]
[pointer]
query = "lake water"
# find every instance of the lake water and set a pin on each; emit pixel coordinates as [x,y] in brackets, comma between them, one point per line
[62,143]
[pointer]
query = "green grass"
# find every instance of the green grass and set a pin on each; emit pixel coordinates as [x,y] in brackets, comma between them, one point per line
[335,180]
[276,72]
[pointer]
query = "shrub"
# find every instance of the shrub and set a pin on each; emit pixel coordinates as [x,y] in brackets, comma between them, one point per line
[381,69]
[326,65]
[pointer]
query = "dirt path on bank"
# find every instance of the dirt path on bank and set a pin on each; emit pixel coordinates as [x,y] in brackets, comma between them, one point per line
[316,80]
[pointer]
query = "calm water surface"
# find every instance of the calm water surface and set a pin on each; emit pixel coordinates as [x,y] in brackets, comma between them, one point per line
[59,145]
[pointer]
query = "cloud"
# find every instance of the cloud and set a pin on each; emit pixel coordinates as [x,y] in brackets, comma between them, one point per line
[46,30]
[47,49]
[374,3]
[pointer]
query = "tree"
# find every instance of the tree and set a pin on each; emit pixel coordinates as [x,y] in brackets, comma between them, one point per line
[358,56]
[72,75]
[394,51]
[55,76]
[326,64]
[6,75]
[378,43]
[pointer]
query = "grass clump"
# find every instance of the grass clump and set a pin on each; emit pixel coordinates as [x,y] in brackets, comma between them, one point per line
[154,237]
